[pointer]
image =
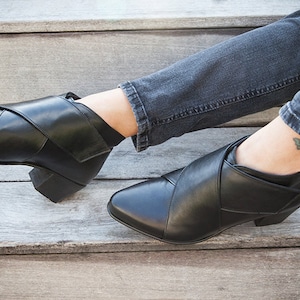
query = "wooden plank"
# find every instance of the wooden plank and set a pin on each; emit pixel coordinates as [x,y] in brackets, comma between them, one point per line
[59,63]
[38,65]
[125,163]
[30,223]
[220,274]
[258,119]
[89,15]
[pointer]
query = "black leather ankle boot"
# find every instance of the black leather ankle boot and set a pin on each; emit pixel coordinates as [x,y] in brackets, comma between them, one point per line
[205,198]
[63,140]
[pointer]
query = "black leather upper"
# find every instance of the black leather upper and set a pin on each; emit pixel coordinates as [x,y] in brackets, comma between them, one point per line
[63,123]
[199,201]
[54,134]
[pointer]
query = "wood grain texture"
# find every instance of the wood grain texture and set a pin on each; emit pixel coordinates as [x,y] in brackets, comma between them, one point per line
[99,15]
[38,65]
[30,223]
[125,163]
[218,274]
[254,120]
[74,249]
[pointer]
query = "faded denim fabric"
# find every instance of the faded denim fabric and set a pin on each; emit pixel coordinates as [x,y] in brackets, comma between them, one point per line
[246,74]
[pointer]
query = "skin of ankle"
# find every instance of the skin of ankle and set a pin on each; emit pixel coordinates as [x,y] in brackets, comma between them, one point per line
[114,108]
[272,149]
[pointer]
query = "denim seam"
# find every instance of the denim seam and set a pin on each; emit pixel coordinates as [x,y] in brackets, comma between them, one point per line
[141,139]
[213,106]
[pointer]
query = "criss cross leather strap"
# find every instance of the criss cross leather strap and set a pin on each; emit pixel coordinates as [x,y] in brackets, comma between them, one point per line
[61,122]
[211,185]
[259,196]
[195,201]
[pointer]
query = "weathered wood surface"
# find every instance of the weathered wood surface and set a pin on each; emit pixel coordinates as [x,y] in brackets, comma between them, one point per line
[201,275]
[152,161]
[80,252]
[99,15]
[30,223]
[38,65]
[100,52]
[254,120]
[125,163]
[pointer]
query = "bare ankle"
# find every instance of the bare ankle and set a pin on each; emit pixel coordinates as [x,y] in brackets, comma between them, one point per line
[114,108]
[271,149]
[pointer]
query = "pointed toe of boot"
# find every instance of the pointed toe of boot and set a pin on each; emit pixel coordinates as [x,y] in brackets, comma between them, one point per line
[145,206]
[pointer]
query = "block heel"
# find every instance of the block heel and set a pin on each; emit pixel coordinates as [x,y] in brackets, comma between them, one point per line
[274,219]
[53,186]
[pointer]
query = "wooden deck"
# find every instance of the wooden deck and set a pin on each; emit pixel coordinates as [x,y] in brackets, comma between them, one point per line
[73,249]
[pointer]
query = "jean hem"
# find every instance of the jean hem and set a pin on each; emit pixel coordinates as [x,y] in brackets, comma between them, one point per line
[141,139]
[289,116]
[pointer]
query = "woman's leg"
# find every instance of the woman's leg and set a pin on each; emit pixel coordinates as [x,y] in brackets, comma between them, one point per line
[246,74]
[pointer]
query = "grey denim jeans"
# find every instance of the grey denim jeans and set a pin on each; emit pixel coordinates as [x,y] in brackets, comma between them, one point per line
[243,75]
